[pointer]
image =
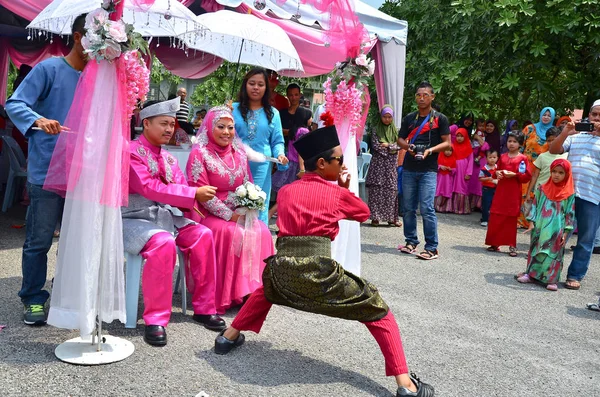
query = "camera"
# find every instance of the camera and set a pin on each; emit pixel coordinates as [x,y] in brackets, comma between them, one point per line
[419,151]
[584,126]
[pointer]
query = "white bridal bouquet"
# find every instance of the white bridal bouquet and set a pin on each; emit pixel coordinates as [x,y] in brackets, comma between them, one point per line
[250,196]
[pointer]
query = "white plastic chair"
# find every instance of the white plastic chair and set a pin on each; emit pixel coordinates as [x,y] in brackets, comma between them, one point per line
[363,163]
[18,169]
[364,147]
[133,274]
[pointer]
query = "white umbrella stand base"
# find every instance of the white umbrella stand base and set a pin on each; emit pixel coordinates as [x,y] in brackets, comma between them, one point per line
[82,351]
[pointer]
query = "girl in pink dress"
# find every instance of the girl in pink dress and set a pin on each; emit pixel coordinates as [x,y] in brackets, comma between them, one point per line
[218,159]
[480,148]
[464,168]
[445,181]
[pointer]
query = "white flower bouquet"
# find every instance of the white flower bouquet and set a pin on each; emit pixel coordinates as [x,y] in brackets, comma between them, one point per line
[250,196]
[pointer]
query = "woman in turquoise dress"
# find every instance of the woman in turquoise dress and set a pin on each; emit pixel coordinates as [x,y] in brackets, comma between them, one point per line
[552,218]
[258,124]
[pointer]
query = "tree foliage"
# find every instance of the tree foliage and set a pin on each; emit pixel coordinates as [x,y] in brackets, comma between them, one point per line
[502,58]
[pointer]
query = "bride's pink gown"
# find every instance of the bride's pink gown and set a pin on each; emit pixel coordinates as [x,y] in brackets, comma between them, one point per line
[226,169]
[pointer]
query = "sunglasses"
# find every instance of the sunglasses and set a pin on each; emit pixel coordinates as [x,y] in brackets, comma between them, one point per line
[338,158]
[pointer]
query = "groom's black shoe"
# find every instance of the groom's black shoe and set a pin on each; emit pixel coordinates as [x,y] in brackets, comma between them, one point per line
[224,345]
[155,335]
[212,322]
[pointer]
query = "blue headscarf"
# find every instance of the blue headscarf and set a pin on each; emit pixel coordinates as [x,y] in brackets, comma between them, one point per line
[541,128]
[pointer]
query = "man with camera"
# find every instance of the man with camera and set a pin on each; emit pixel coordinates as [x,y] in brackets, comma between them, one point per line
[423,134]
[582,141]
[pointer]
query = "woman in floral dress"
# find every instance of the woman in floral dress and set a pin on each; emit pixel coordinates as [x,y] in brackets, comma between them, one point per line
[382,179]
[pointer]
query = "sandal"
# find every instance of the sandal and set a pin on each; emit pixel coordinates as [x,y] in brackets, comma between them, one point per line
[374,223]
[552,287]
[396,224]
[428,255]
[524,279]
[593,306]
[492,248]
[408,248]
[512,251]
[572,284]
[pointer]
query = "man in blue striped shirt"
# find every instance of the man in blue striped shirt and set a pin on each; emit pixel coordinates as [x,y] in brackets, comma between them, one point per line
[584,155]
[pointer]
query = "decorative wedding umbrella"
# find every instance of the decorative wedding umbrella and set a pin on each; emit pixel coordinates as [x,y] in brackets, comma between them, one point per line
[161,18]
[243,38]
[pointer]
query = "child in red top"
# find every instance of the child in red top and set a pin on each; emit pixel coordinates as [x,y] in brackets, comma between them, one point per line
[488,179]
[302,274]
[512,173]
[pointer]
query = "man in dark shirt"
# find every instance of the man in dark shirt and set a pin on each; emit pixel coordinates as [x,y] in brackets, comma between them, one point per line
[295,116]
[424,134]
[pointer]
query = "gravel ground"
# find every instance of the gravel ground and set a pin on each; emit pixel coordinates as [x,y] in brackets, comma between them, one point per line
[469,329]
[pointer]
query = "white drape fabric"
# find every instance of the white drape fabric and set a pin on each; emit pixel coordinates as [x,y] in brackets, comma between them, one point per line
[345,249]
[89,274]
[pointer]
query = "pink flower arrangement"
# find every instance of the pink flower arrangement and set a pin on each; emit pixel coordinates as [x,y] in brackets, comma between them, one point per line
[344,103]
[137,79]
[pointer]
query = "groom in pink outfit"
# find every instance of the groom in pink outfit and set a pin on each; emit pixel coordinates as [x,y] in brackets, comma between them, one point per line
[153,227]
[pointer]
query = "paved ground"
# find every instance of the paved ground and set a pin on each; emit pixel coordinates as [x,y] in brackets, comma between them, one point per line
[469,329]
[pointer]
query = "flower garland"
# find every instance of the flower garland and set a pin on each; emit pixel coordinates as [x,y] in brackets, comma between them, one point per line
[138,80]
[344,90]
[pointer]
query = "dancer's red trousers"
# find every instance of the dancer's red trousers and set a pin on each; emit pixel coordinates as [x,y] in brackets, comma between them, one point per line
[385,331]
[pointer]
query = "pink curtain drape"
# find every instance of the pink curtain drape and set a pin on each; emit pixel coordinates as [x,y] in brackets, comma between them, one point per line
[195,65]
[19,57]
[3,70]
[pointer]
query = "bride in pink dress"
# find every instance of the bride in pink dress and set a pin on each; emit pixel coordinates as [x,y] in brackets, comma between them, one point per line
[218,159]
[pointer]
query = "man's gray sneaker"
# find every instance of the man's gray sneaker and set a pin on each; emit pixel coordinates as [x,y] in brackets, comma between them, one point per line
[423,389]
[34,315]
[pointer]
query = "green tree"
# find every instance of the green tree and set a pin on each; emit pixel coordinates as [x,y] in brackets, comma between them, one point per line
[12,75]
[160,73]
[502,58]
[216,88]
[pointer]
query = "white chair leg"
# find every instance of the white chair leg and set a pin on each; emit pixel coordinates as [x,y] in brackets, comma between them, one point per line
[133,273]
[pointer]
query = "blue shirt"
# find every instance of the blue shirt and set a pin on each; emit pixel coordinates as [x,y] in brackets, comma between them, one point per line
[584,155]
[47,91]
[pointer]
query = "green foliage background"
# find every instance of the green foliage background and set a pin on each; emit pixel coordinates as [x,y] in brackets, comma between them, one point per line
[502,58]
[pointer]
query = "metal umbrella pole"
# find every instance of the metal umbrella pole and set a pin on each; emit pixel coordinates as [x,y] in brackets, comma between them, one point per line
[237,70]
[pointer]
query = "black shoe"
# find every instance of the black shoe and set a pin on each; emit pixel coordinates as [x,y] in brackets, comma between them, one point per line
[224,345]
[596,250]
[155,335]
[210,321]
[423,389]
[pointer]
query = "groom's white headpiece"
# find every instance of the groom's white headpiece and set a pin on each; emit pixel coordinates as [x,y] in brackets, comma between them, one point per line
[165,108]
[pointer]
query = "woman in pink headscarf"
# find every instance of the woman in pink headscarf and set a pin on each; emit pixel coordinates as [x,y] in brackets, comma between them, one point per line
[218,159]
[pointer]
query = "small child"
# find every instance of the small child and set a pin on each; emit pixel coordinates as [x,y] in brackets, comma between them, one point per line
[445,181]
[479,132]
[487,177]
[464,168]
[512,172]
[541,171]
[551,218]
